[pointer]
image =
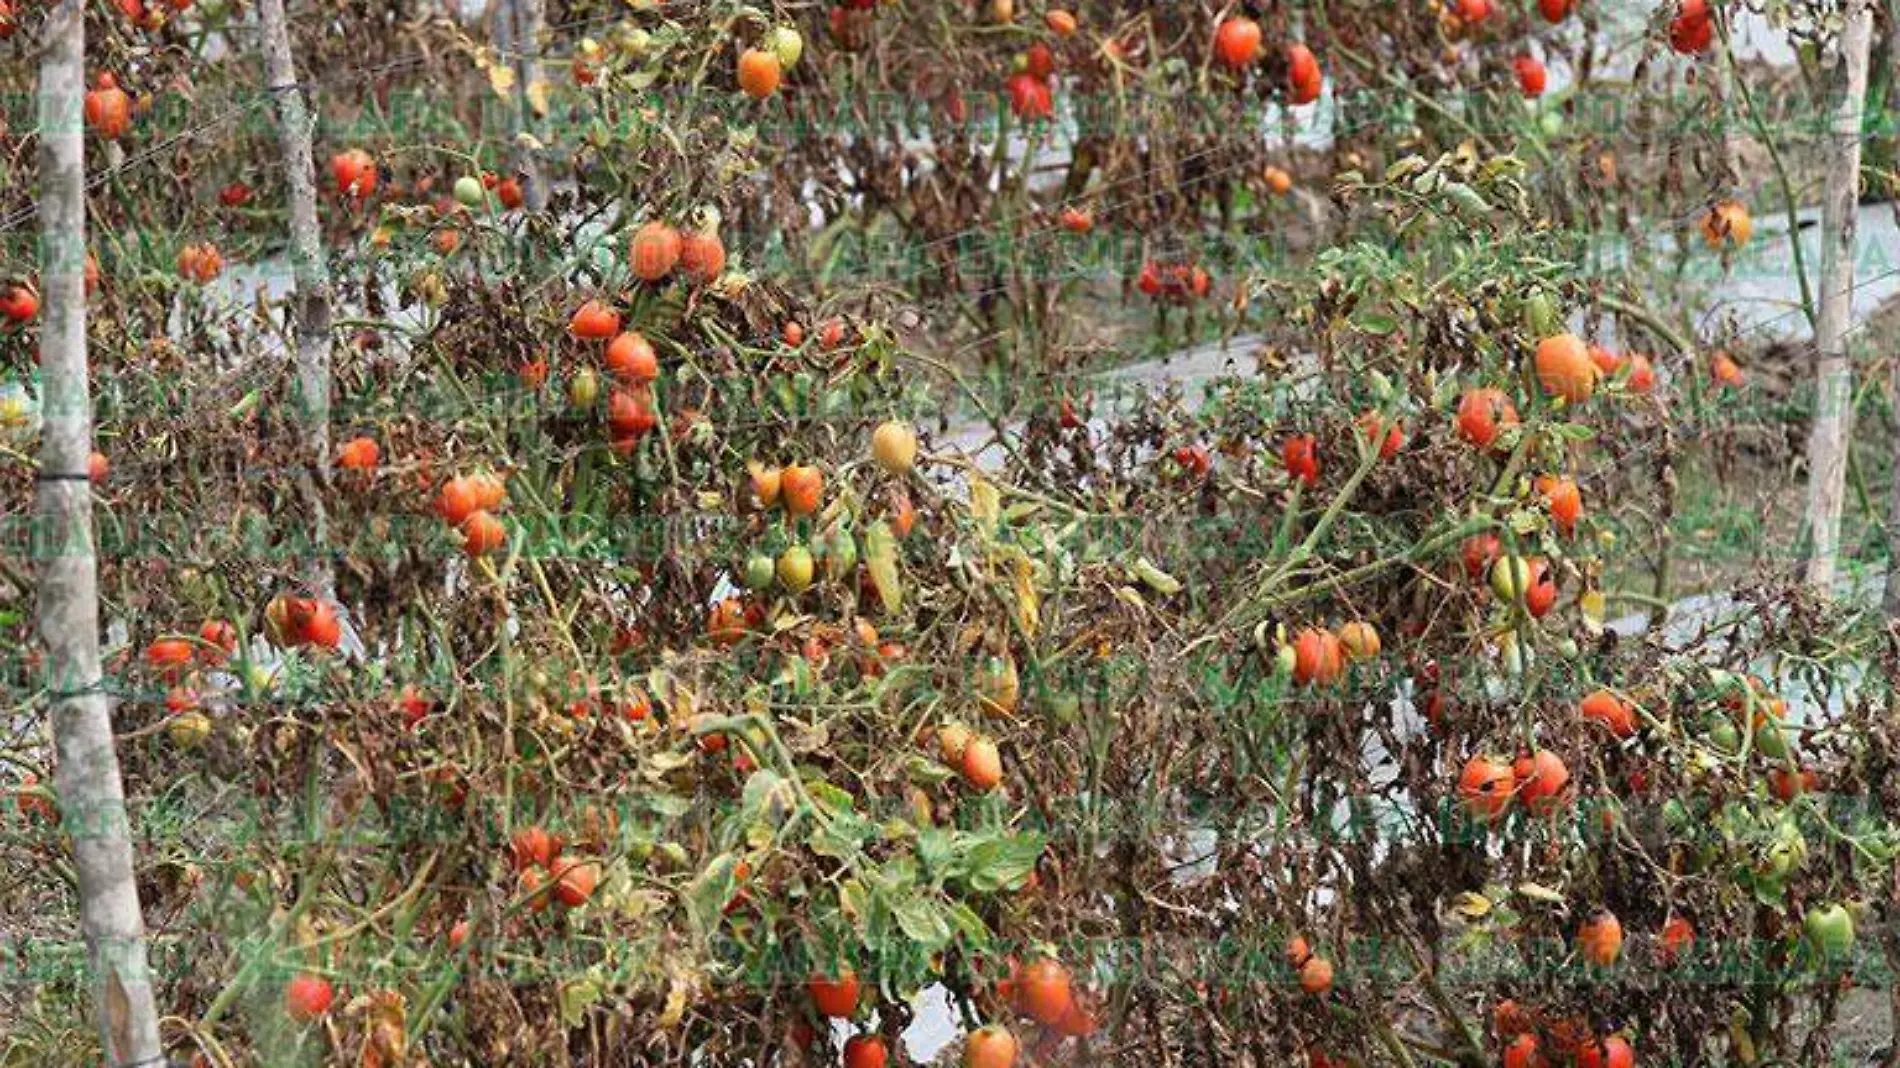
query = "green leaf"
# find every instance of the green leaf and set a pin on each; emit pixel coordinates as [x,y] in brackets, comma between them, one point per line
[1379,324]
[576,997]
[829,797]
[936,849]
[1002,863]
[923,921]
[842,837]
[968,924]
[708,893]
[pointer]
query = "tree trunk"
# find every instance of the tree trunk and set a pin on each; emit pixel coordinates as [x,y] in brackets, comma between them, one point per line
[1828,442]
[86,777]
[1892,596]
[530,17]
[310,302]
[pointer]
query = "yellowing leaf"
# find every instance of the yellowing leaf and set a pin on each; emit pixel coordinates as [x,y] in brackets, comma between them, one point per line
[1028,602]
[1471,906]
[675,1008]
[501,78]
[1592,604]
[880,560]
[537,94]
[1538,892]
[985,503]
[1156,579]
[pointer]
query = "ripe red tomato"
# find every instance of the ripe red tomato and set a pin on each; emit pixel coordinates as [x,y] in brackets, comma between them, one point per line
[1304,79]
[354,173]
[594,321]
[1483,414]
[655,251]
[1237,42]
[1042,990]
[630,358]
[1039,61]
[1030,97]
[702,257]
[1610,1052]
[1564,500]
[1369,424]
[630,414]
[533,846]
[307,997]
[1677,938]
[1693,28]
[1523,1053]
[1531,76]
[836,998]
[108,108]
[1541,597]
[577,880]
[359,454]
[865,1051]
[1301,455]
[19,303]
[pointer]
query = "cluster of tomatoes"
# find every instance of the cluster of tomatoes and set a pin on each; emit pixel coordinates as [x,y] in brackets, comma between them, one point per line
[300,621]
[200,262]
[1237,44]
[1318,656]
[1178,282]
[630,359]
[468,503]
[546,875]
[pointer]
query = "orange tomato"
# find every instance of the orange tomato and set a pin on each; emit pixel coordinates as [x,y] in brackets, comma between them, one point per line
[359,454]
[1486,786]
[1541,779]
[1600,939]
[990,1047]
[655,251]
[803,489]
[1564,368]
[108,109]
[702,257]
[1042,990]
[981,764]
[482,533]
[1563,499]
[759,72]
[1483,414]
[630,358]
[1606,708]
[594,321]
[1317,658]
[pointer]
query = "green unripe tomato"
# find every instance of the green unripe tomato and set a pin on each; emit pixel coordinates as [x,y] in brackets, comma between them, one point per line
[759,571]
[786,43]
